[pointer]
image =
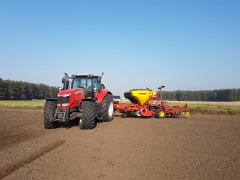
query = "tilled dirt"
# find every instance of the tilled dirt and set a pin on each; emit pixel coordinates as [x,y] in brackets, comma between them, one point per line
[200,147]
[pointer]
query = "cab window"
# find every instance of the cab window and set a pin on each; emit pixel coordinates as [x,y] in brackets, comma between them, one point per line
[96,84]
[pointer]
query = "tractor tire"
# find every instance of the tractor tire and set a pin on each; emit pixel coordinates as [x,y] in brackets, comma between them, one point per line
[49,110]
[89,112]
[160,114]
[106,109]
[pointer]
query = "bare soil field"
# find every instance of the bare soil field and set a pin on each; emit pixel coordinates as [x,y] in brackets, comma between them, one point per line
[200,147]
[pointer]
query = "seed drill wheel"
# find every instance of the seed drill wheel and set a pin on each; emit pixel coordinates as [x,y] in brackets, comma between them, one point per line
[124,115]
[176,115]
[186,114]
[160,113]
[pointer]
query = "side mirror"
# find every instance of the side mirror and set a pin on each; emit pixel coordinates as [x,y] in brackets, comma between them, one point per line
[99,80]
[63,80]
[102,86]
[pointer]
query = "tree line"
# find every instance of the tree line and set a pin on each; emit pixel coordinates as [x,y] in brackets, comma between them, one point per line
[207,95]
[19,90]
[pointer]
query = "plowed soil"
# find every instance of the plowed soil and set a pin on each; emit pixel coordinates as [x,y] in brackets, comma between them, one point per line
[200,147]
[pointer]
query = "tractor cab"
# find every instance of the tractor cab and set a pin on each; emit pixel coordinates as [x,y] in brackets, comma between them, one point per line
[89,82]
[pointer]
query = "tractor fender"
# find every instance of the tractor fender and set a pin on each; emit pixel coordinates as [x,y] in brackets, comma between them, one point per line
[51,99]
[102,94]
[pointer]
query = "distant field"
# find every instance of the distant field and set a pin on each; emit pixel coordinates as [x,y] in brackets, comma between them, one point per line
[196,107]
[235,103]
[230,108]
[38,104]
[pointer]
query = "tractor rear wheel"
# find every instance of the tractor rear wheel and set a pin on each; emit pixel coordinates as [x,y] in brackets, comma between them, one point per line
[106,109]
[49,110]
[89,112]
[159,113]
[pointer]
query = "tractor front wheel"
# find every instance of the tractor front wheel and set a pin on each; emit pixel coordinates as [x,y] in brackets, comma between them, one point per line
[106,109]
[89,112]
[159,113]
[49,110]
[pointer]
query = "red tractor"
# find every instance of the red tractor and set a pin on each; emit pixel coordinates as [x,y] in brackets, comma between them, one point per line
[82,97]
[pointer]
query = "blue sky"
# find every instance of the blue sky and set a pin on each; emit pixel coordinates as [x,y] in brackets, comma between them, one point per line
[184,45]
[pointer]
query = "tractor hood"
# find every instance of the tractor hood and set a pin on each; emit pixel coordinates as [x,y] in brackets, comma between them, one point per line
[70,92]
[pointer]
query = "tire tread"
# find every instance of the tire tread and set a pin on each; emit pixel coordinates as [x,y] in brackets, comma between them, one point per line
[49,110]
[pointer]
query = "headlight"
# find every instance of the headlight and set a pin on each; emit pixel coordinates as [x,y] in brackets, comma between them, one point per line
[66,95]
[79,92]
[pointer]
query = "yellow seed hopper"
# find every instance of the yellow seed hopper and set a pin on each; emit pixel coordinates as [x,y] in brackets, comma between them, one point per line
[140,96]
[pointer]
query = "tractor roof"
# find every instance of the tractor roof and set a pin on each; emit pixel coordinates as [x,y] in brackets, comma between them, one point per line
[86,75]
